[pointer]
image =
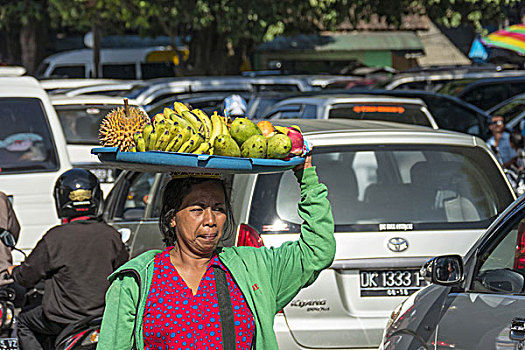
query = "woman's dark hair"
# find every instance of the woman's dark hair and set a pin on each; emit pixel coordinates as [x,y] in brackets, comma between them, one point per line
[172,196]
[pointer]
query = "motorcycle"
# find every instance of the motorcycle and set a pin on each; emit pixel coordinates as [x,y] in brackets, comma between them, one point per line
[80,335]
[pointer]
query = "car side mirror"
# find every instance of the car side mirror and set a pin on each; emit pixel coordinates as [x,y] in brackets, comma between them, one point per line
[444,270]
[7,238]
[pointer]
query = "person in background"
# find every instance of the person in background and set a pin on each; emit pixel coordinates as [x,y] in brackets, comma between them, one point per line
[234,106]
[74,259]
[500,141]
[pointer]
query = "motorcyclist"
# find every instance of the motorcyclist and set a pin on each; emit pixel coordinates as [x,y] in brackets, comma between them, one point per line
[74,258]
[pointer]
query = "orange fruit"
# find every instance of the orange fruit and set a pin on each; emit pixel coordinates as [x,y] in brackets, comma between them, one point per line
[266,128]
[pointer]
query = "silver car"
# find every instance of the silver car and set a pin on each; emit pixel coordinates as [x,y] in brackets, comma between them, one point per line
[344,106]
[400,194]
[475,302]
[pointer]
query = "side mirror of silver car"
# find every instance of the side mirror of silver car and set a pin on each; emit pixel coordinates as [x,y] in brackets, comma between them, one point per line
[444,270]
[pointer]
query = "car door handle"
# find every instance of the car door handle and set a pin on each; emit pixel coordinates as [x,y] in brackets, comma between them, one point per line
[517,329]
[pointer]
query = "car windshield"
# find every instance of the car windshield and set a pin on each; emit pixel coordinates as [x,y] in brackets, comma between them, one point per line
[511,110]
[400,113]
[26,143]
[372,188]
[81,122]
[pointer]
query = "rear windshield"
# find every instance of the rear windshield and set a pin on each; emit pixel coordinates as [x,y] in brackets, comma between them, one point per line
[511,110]
[381,187]
[399,113]
[81,122]
[26,144]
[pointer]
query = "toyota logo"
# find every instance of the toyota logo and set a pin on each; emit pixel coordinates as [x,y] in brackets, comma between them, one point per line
[397,244]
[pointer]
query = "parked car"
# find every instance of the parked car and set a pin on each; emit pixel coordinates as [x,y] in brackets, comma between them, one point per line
[33,154]
[486,93]
[365,107]
[80,117]
[475,301]
[399,193]
[107,89]
[115,63]
[57,86]
[439,81]
[449,112]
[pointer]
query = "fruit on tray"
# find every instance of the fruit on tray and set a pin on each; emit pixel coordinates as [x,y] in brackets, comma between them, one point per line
[242,129]
[186,130]
[119,126]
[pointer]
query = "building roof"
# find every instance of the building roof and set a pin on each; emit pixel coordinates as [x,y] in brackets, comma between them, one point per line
[352,41]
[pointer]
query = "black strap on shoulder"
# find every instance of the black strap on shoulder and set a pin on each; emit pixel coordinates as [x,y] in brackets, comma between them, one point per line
[226,309]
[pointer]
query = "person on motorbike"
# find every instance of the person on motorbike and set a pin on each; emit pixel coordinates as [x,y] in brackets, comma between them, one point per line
[74,258]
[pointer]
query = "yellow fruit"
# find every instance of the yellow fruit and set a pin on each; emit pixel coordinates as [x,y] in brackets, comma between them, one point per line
[118,127]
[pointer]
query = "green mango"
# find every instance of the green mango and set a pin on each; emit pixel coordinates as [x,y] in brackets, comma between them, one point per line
[279,146]
[254,147]
[242,129]
[224,145]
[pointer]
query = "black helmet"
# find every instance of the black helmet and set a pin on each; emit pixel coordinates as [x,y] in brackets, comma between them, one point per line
[77,193]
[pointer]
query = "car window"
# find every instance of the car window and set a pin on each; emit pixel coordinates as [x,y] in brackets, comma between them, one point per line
[137,197]
[452,116]
[502,266]
[429,187]
[81,122]
[516,88]
[486,96]
[453,87]
[399,113]
[69,71]
[119,71]
[152,70]
[293,111]
[511,110]
[26,142]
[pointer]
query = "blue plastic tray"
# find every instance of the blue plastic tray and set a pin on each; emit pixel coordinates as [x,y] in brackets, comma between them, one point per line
[157,161]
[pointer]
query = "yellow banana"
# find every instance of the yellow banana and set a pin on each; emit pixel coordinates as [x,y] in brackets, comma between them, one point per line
[160,127]
[186,133]
[216,129]
[203,148]
[132,149]
[183,122]
[225,129]
[186,146]
[179,107]
[136,136]
[167,112]
[205,121]
[152,140]
[162,141]
[193,120]
[158,118]
[148,128]
[175,144]
[140,144]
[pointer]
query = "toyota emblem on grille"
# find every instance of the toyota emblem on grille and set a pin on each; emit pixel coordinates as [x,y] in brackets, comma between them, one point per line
[397,244]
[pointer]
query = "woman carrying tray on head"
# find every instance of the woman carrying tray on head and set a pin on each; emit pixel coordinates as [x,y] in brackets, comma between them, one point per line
[198,296]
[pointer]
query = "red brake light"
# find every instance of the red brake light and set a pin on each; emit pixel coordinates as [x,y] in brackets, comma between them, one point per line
[519,260]
[249,237]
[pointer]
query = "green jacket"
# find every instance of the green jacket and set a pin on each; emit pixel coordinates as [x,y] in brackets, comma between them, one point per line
[269,278]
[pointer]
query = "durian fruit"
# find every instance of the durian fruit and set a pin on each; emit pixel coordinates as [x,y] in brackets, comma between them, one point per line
[118,127]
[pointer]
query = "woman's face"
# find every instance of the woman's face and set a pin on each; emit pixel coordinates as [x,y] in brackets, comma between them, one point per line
[199,223]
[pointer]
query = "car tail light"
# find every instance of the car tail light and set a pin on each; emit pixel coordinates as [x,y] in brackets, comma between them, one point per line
[249,237]
[519,260]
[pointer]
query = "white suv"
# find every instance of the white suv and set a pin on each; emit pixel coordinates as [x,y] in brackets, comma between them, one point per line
[400,194]
[32,155]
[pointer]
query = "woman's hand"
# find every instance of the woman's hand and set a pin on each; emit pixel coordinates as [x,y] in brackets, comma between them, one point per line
[307,163]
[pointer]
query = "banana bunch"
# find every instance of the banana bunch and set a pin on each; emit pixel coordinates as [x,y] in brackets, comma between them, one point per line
[181,130]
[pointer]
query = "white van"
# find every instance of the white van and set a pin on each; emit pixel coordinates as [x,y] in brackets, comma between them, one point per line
[122,63]
[32,155]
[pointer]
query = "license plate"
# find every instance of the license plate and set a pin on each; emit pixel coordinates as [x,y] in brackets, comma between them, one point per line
[390,283]
[9,343]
